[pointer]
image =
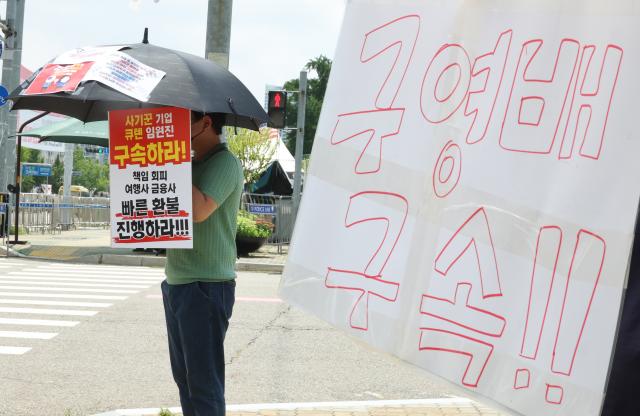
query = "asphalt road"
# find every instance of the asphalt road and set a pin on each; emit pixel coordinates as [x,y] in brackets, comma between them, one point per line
[116,355]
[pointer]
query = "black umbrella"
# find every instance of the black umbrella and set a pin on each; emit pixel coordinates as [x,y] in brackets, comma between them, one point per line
[190,82]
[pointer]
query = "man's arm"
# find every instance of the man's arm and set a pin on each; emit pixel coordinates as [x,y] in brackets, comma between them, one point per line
[203,205]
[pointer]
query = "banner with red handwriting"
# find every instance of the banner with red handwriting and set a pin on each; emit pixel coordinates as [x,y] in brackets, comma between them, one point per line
[472,193]
[150,178]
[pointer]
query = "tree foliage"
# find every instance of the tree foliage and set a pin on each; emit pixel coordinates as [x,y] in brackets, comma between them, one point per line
[316,88]
[31,156]
[57,174]
[254,149]
[93,175]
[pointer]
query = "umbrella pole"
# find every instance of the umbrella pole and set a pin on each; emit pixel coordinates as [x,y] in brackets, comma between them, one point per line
[18,173]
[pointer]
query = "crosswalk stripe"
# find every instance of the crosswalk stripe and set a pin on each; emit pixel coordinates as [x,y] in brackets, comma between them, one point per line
[101,268]
[73,279]
[26,281]
[65,289]
[62,296]
[27,334]
[37,322]
[54,303]
[14,350]
[39,311]
[31,272]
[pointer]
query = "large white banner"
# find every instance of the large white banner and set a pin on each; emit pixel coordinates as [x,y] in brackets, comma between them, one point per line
[473,190]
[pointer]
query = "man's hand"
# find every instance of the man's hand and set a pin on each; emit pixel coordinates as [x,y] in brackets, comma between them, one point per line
[203,206]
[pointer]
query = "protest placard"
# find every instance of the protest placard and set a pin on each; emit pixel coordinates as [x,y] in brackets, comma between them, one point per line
[150,178]
[472,193]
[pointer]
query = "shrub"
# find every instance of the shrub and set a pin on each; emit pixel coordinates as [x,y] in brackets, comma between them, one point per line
[249,225]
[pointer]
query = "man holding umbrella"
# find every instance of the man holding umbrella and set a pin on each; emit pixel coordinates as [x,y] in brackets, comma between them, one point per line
[199,292]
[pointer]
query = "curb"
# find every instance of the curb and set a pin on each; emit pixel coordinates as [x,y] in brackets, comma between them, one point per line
[144,261]
[441,404]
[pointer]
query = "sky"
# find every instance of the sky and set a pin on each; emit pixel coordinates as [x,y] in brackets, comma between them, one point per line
[271,40]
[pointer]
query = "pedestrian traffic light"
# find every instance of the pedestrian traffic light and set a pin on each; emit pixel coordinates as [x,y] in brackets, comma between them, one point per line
[277,109]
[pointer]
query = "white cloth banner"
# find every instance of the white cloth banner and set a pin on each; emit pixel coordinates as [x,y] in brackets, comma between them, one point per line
[473,190]
[125,74]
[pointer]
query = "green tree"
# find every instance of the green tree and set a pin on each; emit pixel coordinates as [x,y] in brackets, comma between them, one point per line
[92,174]
[57,174]
[28,155]
[316,87]
[254,149]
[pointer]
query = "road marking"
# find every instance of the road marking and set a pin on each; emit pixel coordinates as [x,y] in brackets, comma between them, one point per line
[39,311]
[92,266]
[63,296]
[257,299]
[238,299]
[45,276]
[64,289]
[60,273]
[27,281]
[27,335]
[13,350]
[96,268]
[38,322]
[102,269]
[54,303]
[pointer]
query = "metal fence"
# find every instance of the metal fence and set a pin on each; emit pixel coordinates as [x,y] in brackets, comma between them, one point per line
[5,214]
[275,208]
[52,213]
[49,213]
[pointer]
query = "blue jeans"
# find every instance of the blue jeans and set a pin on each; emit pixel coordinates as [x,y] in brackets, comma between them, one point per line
[197,316]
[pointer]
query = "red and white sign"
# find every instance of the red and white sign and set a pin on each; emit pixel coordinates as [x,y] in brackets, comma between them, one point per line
[473,191]
[58,78]
[150,178]
[103,64]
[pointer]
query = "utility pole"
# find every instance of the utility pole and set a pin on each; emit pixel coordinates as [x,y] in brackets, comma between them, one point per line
[219,32]
[11,62]
[302,104]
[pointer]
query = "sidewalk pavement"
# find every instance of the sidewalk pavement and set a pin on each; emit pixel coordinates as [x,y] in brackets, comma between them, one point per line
[429,407]
[91,246]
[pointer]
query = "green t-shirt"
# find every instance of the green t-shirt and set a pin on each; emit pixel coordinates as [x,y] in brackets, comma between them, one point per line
[213,255]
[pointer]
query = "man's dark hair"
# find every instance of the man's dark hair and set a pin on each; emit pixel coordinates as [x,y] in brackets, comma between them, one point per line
[217,119]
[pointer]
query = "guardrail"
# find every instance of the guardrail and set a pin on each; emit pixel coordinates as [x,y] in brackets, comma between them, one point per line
[276,208]
[5,216]
[54,213]
[51,213]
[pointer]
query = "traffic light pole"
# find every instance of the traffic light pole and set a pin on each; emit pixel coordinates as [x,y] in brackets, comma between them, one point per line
[218,32]
[11,62]
[19,174]
[302,103]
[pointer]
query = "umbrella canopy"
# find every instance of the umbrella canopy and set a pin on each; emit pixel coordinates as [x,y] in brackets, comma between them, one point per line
[73,131]
[190,82]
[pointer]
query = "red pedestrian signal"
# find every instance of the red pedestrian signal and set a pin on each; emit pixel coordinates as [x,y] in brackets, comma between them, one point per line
[277,109]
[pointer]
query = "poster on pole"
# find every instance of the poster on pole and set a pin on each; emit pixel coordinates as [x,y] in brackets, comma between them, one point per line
[150,178]
[472,193]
